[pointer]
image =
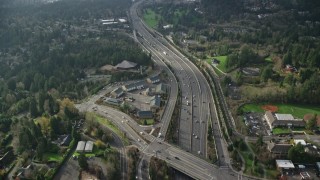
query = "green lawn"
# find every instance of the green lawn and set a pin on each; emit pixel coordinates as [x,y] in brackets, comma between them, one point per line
[111,126]
[268,59]
[149,121]
[52,157]
[222,64]
[248,162]
[297,111]
[279,130]
[151,18]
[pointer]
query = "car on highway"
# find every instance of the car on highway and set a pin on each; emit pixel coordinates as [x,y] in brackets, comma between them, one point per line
[176,157]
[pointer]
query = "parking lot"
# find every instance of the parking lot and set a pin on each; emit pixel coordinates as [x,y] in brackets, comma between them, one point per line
[141,101]
[256,124]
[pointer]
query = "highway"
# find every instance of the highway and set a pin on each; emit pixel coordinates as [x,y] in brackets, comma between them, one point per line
[195,91]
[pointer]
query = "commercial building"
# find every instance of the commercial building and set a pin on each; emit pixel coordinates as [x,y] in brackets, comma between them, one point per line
[145,114]
[154,79]
[84,146]
[89,147]
[112,101]
[285,166]
[282,120]
[133,86]
[117,92]
[301,141]
[279,150]
[80,146]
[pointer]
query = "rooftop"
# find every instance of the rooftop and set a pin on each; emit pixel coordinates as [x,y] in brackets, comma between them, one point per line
[279,148]
[284,163]
[126,64]
[160,88]
[112,100]
[89,146]
[284,117]
[155,101]
[118,90]
[301,141]
[270,117]
[154,78]
[81,145]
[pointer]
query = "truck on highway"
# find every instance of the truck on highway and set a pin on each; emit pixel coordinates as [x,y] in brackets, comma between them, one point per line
[187,103]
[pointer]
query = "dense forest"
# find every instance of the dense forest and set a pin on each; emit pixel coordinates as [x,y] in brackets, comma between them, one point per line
[47,52]
[248,32]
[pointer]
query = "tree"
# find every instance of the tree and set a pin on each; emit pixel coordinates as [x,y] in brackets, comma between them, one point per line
[82,160]
[75,134]
[297,154]
[11,84]
[259,140]
[312,123]
[266,73]
[33,108]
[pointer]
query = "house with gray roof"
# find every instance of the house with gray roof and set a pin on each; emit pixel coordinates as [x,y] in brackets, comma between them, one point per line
[279,150]
[117,92]
[112,101]
[145,114]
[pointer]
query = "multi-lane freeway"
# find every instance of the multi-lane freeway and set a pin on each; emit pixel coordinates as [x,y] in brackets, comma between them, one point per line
[197,110]
[195,92]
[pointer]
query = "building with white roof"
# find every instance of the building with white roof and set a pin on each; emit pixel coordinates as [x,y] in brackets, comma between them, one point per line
[301,141]
[282,120]
[80,146]
[285,165]
[284,117]
[89,147]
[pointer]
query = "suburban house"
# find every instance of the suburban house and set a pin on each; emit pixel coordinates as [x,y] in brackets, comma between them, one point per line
[145,114]
[161,89]
[279,150]
[282,120]
[112,101]
[6,159]
[285,166]
[153,79]
[66,139]
[126,65]
[84,146]
[155,103]
[25,172]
